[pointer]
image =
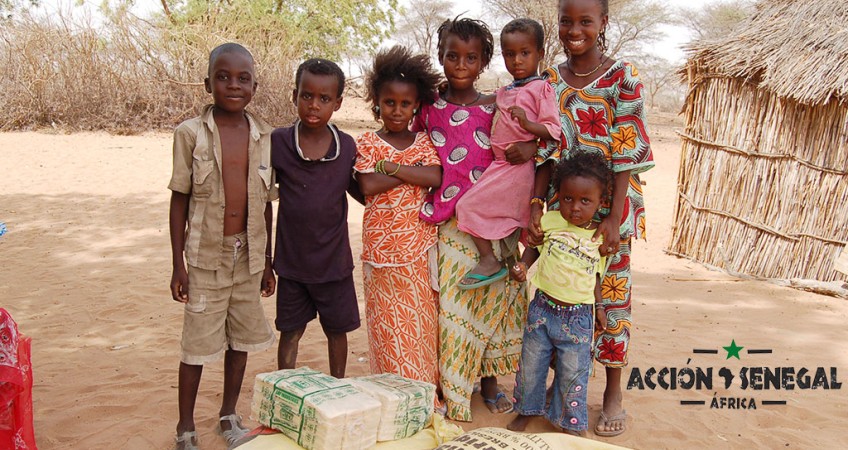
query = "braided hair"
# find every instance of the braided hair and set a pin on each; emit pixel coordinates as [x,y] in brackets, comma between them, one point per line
[466,29]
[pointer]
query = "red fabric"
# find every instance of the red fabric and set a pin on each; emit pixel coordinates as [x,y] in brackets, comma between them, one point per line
[16,432]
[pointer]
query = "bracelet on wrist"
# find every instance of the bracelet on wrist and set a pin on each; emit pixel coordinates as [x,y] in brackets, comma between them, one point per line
[378,168]
[537,200]
[395,171]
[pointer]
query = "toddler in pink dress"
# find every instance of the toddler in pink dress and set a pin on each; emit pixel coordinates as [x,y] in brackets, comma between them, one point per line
[499,203]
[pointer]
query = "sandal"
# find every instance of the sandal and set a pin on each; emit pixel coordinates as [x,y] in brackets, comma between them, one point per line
[492,404]
[187,439]
[482,280]
[236,431]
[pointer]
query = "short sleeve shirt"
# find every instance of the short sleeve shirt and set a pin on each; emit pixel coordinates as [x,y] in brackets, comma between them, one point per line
[312,244]
[606,116]
[197,172]
[568,261]
[461,137]
[392,233]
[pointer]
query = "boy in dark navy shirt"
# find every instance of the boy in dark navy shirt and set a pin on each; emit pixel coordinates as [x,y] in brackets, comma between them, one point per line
[312,258]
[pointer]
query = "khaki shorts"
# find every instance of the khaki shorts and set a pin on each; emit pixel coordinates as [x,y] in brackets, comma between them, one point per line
[223,309]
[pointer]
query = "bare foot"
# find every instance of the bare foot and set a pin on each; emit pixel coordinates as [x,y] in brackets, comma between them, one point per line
[519,423]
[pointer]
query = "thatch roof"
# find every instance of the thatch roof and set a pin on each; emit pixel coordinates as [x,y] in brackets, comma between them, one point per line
[797,49]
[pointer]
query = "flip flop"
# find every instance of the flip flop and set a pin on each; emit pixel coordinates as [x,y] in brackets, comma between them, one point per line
[603,420]
[483,280]
[494,402]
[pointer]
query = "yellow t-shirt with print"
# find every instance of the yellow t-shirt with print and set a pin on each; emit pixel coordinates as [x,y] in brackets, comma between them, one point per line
[568,261]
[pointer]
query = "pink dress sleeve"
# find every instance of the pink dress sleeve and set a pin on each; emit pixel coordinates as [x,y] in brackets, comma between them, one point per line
[548,115]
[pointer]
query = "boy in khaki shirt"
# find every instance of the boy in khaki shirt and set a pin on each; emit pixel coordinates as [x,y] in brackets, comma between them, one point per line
[220,221]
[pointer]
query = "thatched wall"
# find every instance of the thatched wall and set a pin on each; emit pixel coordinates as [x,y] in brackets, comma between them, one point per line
[763,188]
[763,184]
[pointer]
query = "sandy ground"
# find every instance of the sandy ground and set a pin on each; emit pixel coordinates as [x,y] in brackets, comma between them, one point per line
[85,272]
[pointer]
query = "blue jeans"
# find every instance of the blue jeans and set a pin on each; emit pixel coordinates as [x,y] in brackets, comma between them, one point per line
[568,332]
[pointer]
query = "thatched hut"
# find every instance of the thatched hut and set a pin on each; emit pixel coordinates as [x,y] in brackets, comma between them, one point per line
[763,185]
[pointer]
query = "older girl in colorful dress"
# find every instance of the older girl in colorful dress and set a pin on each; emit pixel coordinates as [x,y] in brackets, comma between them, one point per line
[395,167]
[602,110]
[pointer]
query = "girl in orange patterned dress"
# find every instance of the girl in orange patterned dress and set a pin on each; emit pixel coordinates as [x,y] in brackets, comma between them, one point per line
[395,168]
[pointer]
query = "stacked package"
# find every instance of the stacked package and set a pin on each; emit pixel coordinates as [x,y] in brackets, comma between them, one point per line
[406,404]
[315,410]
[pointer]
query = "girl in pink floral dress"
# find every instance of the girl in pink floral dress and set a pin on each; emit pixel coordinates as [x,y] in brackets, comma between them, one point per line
[500,202]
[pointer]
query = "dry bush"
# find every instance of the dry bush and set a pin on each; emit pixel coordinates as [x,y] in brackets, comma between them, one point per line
[130,74]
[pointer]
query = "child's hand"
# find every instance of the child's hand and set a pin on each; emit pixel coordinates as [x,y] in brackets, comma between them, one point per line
[520,152]
[179,285]
[608,228]
[600,317]
[269,283]
[535,236]
[518,272]
[518,113]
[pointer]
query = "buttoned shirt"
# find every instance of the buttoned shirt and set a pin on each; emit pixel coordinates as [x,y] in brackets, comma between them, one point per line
[197,171]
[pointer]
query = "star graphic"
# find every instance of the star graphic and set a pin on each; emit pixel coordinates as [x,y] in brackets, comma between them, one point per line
[732,349]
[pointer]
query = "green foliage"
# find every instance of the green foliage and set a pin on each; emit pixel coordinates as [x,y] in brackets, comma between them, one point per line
[329,29]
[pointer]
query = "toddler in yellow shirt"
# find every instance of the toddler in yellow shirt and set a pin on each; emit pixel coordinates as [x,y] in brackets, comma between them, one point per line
[560,319]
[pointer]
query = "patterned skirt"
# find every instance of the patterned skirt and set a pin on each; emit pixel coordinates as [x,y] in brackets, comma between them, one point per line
[480,330]
[401,309]
[612,344]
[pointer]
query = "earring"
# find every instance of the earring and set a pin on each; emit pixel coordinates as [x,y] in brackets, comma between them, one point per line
[414,111]
[377,110]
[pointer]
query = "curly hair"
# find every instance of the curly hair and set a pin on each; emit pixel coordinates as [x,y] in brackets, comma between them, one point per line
[529,27]
[399,64]
[320,66]
[466,29]
[585,164]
